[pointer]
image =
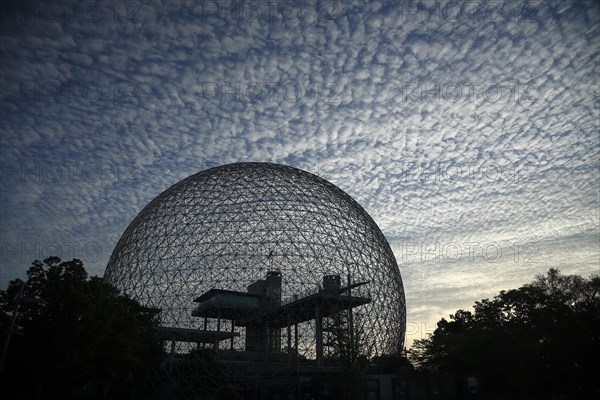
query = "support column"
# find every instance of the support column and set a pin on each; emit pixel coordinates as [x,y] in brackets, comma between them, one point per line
[204,345]
[232,332]
[267,341]
[296,337]
[289,339]
[218,330]
[172,355]
[319,335]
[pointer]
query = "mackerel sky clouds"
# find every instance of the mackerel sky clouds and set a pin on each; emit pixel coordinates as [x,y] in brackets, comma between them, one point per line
[468,130]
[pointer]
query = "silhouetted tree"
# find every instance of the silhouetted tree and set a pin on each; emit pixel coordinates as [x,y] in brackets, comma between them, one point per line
[390,364]
[533,342]
[351,348]
[79,339]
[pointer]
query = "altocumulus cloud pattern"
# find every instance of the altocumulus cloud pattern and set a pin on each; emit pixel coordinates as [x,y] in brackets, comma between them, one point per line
[455,124]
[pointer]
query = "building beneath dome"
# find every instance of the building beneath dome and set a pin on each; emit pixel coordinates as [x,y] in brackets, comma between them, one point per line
[268,272]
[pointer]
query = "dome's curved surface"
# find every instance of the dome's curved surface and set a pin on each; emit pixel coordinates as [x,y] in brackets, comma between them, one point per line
[227,226]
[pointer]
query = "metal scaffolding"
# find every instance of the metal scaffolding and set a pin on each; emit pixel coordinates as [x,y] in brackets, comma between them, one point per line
[241,256]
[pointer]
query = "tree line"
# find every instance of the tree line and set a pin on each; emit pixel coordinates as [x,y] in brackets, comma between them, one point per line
[70,336]
[540,341]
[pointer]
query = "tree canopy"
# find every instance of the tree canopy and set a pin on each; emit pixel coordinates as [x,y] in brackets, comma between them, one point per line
[537,341]
[74,336]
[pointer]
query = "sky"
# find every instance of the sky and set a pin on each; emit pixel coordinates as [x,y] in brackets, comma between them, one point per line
[467,130]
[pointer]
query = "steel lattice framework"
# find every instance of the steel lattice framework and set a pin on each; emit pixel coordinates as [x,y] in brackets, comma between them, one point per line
[227,226]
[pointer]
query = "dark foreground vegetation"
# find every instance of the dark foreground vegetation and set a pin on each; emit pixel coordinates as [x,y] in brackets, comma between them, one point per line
[76,337]
[541,341]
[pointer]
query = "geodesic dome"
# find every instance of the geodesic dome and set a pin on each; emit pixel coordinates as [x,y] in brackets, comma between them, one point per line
[226,227]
